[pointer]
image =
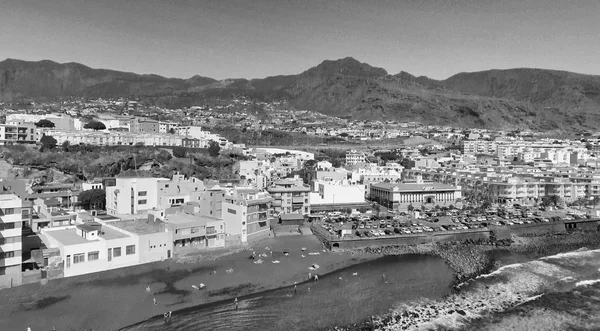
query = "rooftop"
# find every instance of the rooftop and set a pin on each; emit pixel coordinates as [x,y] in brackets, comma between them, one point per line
[414,187]
[67,237]
[138,226]
[8,197]
[182,218]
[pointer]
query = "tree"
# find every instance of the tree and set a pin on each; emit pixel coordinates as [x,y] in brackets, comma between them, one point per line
[95,125]
[179,151]
[93,199]
[65,145]
[214,148]
[172,131]
[44,123]
[48,142]
[410,208]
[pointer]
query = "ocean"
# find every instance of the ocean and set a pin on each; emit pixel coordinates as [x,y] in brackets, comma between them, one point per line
[343,297]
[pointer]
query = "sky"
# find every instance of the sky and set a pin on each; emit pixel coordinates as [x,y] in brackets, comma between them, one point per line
[259,38]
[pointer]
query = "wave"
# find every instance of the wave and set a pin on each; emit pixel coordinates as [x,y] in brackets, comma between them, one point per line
[501,289]
[587,282]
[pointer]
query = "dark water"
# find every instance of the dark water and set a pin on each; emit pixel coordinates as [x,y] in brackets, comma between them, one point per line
[330,302]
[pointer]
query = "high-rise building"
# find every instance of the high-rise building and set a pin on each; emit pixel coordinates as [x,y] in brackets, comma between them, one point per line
[10,240]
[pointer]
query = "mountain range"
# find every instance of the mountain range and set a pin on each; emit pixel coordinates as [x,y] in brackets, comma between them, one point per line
[514,99]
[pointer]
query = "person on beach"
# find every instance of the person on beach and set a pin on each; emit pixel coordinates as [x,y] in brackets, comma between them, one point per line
[236,303]
[295,288]
[309,275]
[155,303]
[316,278]
[29,328]
[309,289]
[148,289]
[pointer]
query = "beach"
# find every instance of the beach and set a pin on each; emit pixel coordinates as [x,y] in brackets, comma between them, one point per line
[114,299]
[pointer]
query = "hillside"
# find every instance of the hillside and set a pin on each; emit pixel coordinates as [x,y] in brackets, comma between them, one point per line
[503,99]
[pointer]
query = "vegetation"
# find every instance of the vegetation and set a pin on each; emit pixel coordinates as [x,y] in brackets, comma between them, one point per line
[95,125]
[48,142]
[92,199]
[271,137]
[179,152]
[44,123]
[83,162]
[214,148]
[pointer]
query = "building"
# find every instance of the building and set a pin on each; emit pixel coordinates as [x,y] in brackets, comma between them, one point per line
[331,195]
[132,196]
[428,195]
[355,157]
[61,122]
[11,134]
[247,214]
[148,126]
[290,197]
[94,246]
[189,229]
[10,240]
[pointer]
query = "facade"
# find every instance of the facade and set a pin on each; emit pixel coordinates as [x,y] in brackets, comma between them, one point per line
[148,126]
[247,214]
[290,197]
[132,196]
[336,194]
[61,122]
[355,157]
[428,195]
[94,247]
[190,230]
[115,138]
[10,240]
[17,134]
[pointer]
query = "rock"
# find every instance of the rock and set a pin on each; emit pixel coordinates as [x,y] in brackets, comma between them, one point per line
[461,312]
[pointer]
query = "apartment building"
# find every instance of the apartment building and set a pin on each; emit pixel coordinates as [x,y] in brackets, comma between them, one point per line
[191,230]
[11,134]
[290,197]
[10,240]
[148,126]
[247,214]
[114,138]
[61,122]
[132,196]
[354,157]
[474,147]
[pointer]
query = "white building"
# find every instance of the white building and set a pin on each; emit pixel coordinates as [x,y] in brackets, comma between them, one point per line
[10,240]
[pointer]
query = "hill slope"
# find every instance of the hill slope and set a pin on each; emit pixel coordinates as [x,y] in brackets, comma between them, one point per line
[507,99]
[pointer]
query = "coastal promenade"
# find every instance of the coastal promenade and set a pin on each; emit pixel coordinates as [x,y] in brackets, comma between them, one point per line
[335,242]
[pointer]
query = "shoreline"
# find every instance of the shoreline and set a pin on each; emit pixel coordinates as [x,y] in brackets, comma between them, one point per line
[115,299]
[531,247]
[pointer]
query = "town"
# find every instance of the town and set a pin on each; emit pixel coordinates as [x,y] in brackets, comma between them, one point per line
[449,184]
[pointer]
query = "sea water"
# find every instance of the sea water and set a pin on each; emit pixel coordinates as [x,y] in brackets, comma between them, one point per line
[343,297]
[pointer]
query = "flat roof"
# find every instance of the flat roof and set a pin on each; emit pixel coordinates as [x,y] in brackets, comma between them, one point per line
[182,218]
[110,234]
[289,189]
[67,237]
[415,187]
[7,197]
[138,226]
[291,217]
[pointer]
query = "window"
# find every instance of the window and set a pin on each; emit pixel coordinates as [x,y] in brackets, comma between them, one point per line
[142,202]
[116,251]
[7,226]
[92,256]
[9,211]
[7,255]
[78,258]
[231,211]
[142,193]
[130,250]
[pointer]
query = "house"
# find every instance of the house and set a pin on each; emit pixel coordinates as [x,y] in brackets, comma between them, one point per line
[290,197]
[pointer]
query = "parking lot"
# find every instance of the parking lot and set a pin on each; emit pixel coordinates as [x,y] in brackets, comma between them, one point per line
[369,225]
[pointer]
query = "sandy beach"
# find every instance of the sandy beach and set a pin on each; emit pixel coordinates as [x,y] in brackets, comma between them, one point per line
[114,299]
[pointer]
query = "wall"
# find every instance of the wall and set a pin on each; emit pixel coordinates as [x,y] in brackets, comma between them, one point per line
[155,246]
[412,239]
[235,220]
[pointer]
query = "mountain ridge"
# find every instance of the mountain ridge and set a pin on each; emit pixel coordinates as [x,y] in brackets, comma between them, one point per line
[521,98]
